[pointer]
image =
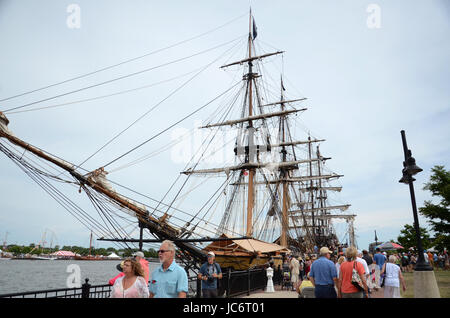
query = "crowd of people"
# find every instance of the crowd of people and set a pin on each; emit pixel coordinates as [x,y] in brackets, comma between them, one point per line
[167,281]
[335,274]
[349,273]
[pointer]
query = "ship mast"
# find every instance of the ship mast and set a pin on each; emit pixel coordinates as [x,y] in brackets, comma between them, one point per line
[90,244]
[250,200]
[284,211]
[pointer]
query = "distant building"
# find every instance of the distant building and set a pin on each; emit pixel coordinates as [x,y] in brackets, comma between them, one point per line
[372,247]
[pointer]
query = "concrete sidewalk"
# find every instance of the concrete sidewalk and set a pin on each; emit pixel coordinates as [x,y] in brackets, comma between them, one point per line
[292,294]
[277,294]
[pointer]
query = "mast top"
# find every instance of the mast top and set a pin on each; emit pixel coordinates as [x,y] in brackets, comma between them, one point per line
[252,58]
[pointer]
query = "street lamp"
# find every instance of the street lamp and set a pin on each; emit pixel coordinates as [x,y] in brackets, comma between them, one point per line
[424,280]
[409,169]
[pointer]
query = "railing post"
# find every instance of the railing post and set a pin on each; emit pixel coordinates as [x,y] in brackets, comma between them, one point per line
[199,288]
[85,288]
[229,283]
[248,282]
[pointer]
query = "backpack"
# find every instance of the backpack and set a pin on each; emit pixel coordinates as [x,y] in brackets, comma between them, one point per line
[368,259]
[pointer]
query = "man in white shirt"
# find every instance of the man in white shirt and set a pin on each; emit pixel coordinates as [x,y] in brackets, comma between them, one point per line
[359,259]
[295,271]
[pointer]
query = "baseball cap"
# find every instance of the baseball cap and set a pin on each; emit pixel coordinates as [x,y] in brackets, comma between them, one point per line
[140,254]
[324,250]
[212,254]
[120,266]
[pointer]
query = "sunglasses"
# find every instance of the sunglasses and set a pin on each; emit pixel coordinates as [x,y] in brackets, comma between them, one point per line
[163,251]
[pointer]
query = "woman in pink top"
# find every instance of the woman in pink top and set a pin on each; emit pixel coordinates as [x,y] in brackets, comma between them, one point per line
[345,287]
[132,284]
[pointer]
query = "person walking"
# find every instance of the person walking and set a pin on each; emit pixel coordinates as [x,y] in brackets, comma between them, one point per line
[392,279]
[209,274]
[323,275]
[295,272]
[361,260]
[367,258]
[338,264]
[120,269]
[405,262]
[307,265]
[168,280]
[346,288]
[132,284]
[301,268]
[379,260]
[140,258]
[446,261]
[430,259]
[413,261]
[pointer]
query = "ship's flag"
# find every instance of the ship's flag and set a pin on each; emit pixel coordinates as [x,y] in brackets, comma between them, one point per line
[245,173]
[255,33]
[282,85]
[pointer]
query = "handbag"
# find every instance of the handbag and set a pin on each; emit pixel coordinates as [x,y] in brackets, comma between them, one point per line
[383,277]
[356,279]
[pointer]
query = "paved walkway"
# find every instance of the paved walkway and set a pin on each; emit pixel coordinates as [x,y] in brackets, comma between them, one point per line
[292,294]
[277,294]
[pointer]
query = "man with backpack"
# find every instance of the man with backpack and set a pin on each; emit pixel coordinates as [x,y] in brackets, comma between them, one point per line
[210,272]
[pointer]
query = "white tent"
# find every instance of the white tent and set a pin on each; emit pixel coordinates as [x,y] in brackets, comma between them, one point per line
[113,256]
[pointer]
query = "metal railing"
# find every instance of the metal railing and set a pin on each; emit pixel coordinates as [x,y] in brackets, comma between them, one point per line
[232,284]
[237,283]
[85,291]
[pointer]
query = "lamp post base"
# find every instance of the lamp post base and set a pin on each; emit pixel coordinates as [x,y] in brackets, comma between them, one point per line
[425,285]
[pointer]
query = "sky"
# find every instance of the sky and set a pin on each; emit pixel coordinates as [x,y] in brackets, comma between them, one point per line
[368,68]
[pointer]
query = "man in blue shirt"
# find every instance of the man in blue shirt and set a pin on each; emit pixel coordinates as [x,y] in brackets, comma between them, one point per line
[169,280]
[323,275]
[209,273]
[379,260]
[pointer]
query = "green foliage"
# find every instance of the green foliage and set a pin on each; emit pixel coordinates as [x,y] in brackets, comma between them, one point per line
[152,253]
[407,237]
[438,215]
[18,250]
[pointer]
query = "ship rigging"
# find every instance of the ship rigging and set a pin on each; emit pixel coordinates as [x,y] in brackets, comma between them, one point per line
[268,199]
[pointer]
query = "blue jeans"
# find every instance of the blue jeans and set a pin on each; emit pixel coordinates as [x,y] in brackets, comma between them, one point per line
[325,291]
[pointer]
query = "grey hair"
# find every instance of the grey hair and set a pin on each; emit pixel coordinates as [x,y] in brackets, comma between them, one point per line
[392,259]
[170,245]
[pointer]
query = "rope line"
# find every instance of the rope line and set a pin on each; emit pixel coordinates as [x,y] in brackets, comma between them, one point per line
[124,62]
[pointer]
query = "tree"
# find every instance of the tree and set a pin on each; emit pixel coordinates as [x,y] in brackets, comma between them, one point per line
[152,253]
[407,237]
[438,215]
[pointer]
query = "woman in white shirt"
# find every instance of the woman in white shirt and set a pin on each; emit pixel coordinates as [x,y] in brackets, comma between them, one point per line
[338,264]
[133,284]
[392,279]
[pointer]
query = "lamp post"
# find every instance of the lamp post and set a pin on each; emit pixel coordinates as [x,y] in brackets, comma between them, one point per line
[409,169]
[424,280]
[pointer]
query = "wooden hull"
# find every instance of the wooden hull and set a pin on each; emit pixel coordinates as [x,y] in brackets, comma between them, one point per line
[244,262]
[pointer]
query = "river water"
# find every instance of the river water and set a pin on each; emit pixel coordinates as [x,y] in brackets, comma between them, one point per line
[32,275]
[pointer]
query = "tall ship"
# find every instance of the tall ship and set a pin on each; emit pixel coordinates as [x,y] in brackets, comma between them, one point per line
[265,197]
